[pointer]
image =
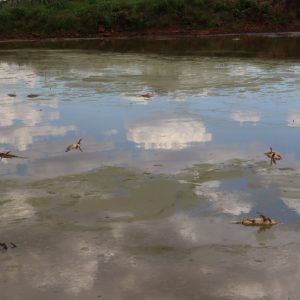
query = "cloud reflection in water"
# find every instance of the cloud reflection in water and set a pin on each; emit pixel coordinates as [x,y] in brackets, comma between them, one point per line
[168,134]
[12,74]
[35,124]
[222,201]
[245,116]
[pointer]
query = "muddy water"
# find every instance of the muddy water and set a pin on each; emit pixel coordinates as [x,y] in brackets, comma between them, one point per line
[145,211]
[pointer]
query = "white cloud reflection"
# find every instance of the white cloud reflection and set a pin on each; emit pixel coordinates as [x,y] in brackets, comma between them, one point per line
[21,123]
[12,113]
[110,132]
[22,137]
[245,116]
[293,203]
[168,134]
[226,202]
[13,74]
[287,184]
[245,70]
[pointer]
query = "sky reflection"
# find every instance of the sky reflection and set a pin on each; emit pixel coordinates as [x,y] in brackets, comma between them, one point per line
[226,202]
[168,134]
[246,117]
[146,210]
[23,123]
[12,75]
[193,112]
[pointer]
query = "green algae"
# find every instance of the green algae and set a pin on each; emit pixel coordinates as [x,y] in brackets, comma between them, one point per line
[206,172]
[113,194]
[39,201]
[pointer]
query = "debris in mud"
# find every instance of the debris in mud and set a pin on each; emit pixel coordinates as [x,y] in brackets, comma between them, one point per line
[273,156]
[12,95]
[147,95]
[13,245]
[8,155]
[74,146]
[5,247]
[33,95]
[261,220]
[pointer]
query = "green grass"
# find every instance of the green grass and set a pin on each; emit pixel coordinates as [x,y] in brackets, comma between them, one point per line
[63,16]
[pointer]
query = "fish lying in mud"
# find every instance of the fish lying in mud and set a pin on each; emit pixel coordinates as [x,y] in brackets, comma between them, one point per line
[33,95]
[74,146]
[273,156]
[261,220]
[12,95]
[147,95]
[5,247]
[8,155]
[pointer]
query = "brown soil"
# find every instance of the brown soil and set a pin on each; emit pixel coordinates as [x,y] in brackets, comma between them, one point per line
[172,31]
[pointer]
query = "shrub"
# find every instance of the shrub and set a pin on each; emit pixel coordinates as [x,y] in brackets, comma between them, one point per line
[87,15]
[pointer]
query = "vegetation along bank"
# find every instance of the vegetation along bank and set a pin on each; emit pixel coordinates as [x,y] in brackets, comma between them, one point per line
[41,18]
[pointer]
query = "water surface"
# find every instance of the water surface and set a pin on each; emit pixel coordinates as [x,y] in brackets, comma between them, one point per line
[145,211]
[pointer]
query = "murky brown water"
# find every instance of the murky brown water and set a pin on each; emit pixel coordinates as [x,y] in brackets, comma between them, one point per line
[146,210]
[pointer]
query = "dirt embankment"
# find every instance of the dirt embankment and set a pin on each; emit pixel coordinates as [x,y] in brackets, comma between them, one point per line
[170,31]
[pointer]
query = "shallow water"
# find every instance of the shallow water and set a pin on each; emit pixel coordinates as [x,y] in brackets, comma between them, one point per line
[145,211]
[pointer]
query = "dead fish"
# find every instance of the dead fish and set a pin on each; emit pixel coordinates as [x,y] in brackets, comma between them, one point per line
[5,247]
[12,95]
[147,95]
[261,220]
[33,95]
[273,156]
[8,155]
[74,146]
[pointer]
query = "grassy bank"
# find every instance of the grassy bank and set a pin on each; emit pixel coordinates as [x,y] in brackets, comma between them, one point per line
[100,16]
